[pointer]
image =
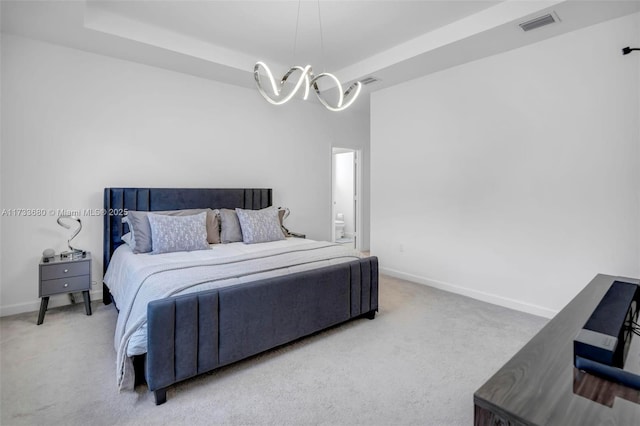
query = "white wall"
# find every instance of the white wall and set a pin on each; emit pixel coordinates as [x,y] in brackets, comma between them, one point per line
[515,178]
[75,123]
[1,143]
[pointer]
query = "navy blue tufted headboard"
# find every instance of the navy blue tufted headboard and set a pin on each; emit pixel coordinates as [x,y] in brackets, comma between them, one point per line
[116,200]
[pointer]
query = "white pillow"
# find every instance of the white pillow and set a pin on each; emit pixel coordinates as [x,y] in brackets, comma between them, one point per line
[128,239]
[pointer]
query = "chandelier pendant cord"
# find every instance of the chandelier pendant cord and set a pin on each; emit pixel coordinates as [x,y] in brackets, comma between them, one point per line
[295,39]
[321,39]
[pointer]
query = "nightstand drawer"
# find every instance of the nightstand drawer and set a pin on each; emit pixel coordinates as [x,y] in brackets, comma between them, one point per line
[65,285]
[62,270]
[64,275]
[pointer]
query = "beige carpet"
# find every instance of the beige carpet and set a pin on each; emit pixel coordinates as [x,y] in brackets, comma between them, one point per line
[418,362]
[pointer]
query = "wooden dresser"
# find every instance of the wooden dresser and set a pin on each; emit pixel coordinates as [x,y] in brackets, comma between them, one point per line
[540,386]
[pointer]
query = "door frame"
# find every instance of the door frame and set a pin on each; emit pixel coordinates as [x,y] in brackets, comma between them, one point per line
[357,195]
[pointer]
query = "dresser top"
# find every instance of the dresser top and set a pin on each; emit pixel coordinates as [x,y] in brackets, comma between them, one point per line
[56,260]
[540,386]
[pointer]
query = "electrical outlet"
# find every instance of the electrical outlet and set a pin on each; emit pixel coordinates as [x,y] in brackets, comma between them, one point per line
[401,248]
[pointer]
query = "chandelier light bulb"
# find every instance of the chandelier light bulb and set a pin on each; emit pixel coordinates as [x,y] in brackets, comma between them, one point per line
[307,77]
[277,91]
[308,80]
[358,87]
[341,106]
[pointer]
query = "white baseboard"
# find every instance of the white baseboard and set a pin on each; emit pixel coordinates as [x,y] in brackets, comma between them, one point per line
[474,294]
[96,294]
[54,302]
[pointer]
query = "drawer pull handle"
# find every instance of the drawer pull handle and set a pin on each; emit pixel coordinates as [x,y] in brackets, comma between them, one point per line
[66,270]
[66,285]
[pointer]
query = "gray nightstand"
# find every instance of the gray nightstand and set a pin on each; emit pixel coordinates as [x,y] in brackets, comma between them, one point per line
[64,276]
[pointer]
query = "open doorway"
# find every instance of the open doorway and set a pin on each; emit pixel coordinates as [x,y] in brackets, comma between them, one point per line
[345,181]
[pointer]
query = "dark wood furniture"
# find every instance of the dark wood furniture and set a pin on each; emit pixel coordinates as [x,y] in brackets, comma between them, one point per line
[540,386]
[64,276]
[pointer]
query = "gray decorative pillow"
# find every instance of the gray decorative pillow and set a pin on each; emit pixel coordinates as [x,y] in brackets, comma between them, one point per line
[178,233]
[128,238]
[260,226]
[230,231]
[141,232]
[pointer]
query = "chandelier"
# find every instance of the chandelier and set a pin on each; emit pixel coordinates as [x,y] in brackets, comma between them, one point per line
[306,80]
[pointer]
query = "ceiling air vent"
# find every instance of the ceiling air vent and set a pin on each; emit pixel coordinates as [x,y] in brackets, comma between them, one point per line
[540,21]
[369,80]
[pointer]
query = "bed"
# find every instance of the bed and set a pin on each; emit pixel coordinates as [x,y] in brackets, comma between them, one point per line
[226,303]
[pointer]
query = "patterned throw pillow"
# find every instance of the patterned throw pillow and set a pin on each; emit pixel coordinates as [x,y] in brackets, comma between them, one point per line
[178,233]
[260,226]
[138,222]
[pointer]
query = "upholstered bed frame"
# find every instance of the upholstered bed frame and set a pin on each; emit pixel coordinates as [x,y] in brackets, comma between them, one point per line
[195,333]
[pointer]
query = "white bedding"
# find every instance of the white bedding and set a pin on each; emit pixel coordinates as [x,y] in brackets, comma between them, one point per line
[136,279]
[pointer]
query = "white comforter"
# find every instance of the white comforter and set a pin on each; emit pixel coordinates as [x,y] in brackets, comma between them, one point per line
[137,279]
